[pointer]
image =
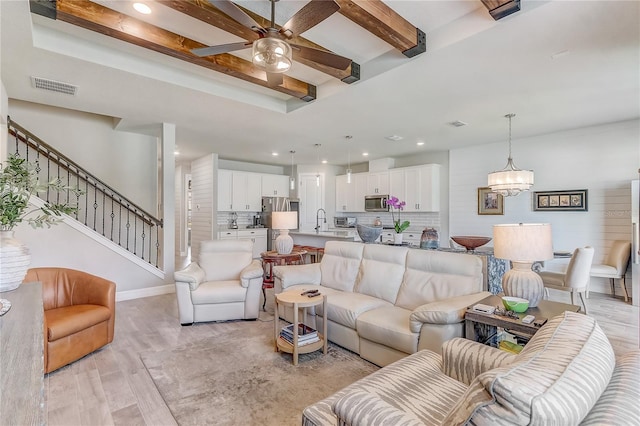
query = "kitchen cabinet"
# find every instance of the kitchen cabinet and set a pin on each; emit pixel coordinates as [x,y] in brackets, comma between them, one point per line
[410,238]
[257,235]
[418,186]
[378,183]
[275,185]
[350,196]
[239,191]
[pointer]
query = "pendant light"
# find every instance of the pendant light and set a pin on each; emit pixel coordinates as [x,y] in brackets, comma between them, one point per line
[292,179]
[511,180]
[318,145]
[348,137]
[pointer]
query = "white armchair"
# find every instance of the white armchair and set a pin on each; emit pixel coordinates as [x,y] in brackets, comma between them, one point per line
[224,284]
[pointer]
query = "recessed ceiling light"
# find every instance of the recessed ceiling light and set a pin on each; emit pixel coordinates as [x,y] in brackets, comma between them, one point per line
[142,8]
[458,123]
[176,152]
[324,161]
[365,154]
[275,154]
[394,138]
[420,143]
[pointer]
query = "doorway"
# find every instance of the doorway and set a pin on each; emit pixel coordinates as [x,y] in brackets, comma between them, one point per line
[311,194]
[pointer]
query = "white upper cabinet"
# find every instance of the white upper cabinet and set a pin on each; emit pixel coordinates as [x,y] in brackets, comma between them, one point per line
[350,196]
[275,185]
[378,183]
[239,191]
[225,190]
[418,186]
[342,189]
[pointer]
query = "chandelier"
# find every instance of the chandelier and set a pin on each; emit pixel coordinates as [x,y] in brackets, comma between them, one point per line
[511,180]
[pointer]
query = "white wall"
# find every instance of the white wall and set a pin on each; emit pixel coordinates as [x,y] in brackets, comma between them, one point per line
[603,159]
[204,201]
[128,162]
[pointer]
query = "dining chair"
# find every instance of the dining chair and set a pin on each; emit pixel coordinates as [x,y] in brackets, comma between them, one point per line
[615,266]
[575,279]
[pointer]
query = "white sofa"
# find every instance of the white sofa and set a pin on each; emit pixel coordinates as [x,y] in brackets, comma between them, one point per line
[223,285]
[386,302]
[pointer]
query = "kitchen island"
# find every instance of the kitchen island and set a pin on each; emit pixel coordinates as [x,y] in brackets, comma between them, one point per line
[318,239]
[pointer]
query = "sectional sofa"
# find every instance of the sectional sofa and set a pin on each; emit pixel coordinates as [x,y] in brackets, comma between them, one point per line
[386,302]
[566,375]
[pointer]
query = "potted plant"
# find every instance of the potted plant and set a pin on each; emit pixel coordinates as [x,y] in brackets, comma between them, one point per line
[18,182]
[399,226]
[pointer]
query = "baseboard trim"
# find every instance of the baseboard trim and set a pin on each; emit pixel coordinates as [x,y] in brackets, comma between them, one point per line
[145,292]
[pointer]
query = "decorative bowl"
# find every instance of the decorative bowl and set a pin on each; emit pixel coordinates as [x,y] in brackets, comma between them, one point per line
[471,242]
[515,304]
[369,234]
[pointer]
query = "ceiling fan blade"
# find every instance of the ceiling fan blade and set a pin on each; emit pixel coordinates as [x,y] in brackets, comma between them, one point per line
[221,48]
[320,56]
[309,16]
[237,14]
[274,78]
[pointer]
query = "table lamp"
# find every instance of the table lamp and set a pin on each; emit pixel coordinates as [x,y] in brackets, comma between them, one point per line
[523,244]
[283,221]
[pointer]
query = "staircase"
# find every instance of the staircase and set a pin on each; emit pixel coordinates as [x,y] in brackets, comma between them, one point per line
[101,209]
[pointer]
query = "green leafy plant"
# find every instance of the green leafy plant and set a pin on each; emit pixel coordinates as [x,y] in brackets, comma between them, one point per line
[18,182]
[396,204]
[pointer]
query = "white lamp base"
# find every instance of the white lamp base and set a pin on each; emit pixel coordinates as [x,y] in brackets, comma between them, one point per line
[284,242]
[522,282]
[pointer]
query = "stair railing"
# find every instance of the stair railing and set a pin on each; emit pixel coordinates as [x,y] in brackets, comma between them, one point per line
[100,207]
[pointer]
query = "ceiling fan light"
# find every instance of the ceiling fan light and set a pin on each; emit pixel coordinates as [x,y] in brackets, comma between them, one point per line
[272,55]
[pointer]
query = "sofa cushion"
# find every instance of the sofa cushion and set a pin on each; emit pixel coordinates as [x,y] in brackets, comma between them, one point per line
[344,308]
[65,321]
[556,381]
[364,408]
[618,404]
[224,259]
[381,271]
[340,263]
[212,292]
[432,275]
[388,326]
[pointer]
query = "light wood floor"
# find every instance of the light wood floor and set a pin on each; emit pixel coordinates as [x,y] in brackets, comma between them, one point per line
[111,386]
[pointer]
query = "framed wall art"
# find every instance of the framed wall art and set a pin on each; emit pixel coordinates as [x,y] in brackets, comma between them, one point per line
[489,202]
[572,200]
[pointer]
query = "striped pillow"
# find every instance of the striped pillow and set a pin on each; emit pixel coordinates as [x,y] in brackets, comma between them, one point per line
[557,381]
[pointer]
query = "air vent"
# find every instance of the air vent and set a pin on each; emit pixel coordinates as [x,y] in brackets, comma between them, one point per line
[54,86]
[458,123]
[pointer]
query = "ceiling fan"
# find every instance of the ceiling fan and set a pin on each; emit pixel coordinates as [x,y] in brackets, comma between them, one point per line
[271,51]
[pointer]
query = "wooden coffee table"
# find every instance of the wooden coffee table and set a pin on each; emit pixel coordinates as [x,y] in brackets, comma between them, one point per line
[482,327]
[299,302]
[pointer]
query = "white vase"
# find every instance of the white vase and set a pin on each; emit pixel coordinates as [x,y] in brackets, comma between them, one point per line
[14,261]
[397,239]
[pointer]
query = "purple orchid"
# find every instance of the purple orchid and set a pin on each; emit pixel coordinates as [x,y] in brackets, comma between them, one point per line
[396,204]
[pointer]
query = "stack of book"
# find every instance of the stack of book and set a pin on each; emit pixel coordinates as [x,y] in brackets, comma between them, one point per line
[306,334]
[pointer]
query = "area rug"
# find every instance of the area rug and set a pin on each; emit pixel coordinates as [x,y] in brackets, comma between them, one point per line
[237,378]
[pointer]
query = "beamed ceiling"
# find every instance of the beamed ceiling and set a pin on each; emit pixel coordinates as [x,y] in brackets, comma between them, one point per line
[372,15]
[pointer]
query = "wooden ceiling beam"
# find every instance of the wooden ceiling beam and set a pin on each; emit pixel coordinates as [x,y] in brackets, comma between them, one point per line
[94,17]
[379,19]
[205,12]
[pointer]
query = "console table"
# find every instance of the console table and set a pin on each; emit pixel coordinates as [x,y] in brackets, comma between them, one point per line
[21,357]
[270,258]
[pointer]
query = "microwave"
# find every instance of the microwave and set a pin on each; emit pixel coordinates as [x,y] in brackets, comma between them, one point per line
[376,203]
[345,222]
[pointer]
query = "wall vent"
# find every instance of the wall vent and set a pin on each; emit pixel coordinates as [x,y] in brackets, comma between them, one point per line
[54,86]
[458,123]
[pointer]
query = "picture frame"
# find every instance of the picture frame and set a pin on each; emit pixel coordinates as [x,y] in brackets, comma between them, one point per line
[490,203]
[557,201]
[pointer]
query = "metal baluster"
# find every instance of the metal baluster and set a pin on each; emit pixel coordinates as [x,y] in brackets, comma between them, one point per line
[128,226]
[112,218]
[95,204]
[143,237]
[135,231]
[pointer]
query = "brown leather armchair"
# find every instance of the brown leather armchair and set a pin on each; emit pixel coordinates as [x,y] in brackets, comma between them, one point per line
[79,313]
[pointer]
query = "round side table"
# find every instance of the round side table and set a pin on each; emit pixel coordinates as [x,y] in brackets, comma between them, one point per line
[299,303]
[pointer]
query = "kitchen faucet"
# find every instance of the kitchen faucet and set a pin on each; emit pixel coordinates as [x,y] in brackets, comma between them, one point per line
[317,228]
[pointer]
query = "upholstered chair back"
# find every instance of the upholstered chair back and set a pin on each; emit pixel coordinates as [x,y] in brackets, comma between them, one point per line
[579,269]
[340,263]
[619,256]
[224,259]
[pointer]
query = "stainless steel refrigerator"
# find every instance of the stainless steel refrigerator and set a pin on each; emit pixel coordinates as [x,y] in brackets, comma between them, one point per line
[635,241]
[277,204]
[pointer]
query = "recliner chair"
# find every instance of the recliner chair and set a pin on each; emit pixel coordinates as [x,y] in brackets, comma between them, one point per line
[224,284]
[615,266]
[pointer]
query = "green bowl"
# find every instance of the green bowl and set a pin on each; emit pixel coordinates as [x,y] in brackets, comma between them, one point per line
[515,304]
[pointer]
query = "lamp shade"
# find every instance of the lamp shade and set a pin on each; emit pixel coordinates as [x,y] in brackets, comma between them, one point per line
[523,242]
[284,220]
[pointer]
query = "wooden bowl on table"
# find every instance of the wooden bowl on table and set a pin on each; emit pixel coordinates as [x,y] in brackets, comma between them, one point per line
[471,242]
